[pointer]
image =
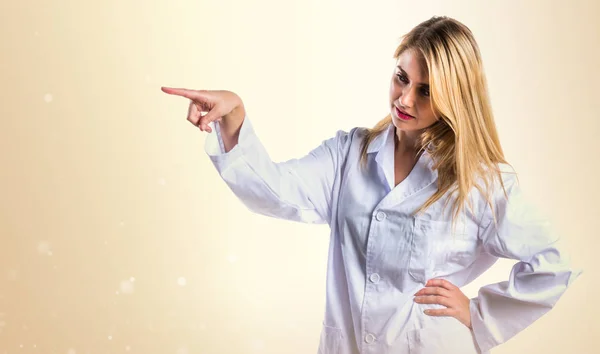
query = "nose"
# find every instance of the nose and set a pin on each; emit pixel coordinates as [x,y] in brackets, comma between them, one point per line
[408,97]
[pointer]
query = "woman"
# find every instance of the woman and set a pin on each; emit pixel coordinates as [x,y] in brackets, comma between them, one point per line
[418,206]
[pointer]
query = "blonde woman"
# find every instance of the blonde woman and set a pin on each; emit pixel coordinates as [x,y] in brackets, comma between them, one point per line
[418,207]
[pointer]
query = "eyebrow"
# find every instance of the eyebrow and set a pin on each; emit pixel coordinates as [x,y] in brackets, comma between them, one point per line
[422,84]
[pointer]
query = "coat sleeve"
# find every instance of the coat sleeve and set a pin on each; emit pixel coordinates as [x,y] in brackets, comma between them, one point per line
[536,282]
[298,189]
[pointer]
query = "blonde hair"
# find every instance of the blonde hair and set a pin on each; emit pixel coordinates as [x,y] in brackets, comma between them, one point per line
[463,143]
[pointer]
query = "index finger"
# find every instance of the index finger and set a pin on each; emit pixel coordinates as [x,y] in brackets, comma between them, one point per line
[191,94]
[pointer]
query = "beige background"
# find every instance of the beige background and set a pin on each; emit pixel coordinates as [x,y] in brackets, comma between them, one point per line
[117,235]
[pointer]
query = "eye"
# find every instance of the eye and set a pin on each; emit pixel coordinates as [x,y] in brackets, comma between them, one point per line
[402,78]
[425,92]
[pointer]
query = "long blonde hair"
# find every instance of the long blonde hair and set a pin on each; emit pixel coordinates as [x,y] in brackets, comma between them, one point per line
[463,143]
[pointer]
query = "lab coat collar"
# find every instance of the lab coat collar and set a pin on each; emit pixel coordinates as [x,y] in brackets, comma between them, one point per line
[419,178]
[379,141]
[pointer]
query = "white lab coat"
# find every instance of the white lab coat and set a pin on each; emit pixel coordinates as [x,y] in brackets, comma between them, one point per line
[380,255]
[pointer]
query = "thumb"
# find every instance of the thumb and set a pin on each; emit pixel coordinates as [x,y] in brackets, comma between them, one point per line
[212,115]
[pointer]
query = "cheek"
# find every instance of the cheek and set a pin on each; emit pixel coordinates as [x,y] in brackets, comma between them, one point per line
[394,90]
[426,109]
[426,113]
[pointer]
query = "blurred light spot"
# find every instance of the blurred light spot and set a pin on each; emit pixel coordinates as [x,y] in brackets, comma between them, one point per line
[181,281]
[162,181]
[132,279]
[109,337]
[126,287]
[182,350]
[43,247]
[232,258]
[48,98]
[71,351]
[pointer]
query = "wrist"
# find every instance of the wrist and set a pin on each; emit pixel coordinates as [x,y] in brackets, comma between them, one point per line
[236,115]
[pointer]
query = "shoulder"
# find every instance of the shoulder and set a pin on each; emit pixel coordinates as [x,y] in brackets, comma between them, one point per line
[508,199]
[493,186]
[339,144]
[353,133]
[509,178]
[346,137]
[351,142]
[498,177]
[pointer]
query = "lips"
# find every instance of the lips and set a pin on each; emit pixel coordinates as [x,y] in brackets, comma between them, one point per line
[403,114]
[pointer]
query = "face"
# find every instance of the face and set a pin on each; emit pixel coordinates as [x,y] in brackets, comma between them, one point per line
[409,94]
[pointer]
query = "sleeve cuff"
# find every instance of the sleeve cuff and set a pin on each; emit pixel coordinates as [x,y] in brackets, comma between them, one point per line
[215,149]
[482,337]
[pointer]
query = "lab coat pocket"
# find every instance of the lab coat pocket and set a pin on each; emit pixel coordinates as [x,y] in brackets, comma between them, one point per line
[457,339]
[330,340]
[437,248]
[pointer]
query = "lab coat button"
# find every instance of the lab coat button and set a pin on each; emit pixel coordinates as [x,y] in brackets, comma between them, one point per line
[380,215]
[374,278]
[370,338]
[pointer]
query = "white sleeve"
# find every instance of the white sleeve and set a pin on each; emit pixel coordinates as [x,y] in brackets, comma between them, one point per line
[536,282]
[299,189]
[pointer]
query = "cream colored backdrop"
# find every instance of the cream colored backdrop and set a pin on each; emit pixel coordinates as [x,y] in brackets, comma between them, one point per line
[117,235]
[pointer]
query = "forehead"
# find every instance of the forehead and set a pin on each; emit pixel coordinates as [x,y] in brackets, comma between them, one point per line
[414,65]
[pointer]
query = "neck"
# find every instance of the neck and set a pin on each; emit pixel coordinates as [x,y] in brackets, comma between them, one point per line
[406,142]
